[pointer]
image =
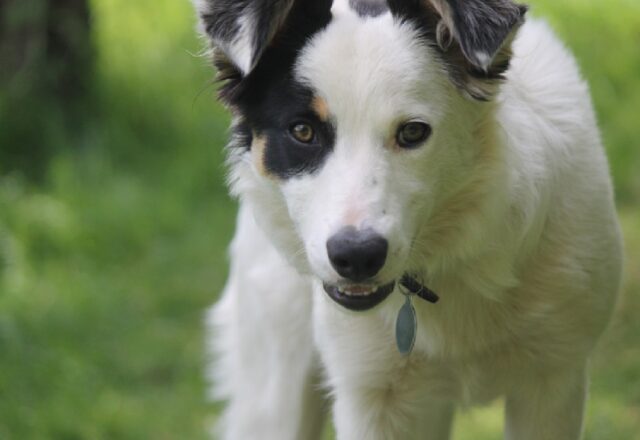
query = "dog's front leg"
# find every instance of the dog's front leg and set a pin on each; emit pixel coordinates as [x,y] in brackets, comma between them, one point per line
[379,394]
[548,406]
[265,364]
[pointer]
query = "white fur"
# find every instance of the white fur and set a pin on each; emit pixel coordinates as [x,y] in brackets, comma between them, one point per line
[507,212]
[242,46]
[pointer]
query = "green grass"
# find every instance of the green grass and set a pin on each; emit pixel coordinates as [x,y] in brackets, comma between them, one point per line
[106,269]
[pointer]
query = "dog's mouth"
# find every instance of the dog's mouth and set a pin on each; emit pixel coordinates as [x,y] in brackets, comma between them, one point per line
[359,297]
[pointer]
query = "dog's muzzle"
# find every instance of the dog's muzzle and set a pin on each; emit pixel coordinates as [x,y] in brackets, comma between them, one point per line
[357,255]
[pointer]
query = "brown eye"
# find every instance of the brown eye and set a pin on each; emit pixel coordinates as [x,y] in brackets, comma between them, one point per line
[303,132]
[413,134]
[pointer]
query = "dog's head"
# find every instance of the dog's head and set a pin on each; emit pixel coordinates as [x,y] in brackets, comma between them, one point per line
[355,121]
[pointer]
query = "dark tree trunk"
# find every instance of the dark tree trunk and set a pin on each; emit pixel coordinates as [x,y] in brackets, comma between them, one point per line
[45,76]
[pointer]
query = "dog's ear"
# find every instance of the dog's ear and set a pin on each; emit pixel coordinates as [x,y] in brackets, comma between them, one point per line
[243,29]
[473,35]
[481,27]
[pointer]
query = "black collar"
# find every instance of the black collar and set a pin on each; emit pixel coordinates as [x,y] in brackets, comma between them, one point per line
[416,288]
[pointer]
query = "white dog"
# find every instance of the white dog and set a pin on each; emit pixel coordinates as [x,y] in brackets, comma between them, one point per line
[388,154]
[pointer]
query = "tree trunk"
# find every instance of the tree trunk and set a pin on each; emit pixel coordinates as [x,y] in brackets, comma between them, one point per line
[45,76]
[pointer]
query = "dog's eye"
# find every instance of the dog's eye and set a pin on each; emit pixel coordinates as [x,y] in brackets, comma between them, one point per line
[413,134]
[302,132]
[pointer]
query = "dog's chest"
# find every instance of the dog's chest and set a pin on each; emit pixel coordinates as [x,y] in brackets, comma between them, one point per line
[462,328]
[461,353]
[471,356]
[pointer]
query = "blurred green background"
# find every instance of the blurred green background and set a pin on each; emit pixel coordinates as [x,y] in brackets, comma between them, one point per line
[114,217]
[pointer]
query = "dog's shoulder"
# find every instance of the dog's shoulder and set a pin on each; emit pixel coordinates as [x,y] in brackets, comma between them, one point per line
[546,108]
[544,76]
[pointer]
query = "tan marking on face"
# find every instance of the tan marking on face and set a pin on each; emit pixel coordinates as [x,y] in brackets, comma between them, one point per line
[257,151]
[321,108]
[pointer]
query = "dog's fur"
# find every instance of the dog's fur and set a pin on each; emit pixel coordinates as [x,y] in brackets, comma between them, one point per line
[506,212]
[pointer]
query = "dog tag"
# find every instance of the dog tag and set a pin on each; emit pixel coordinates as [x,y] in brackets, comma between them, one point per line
[406,326]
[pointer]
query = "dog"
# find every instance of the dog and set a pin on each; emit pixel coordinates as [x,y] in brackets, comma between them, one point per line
[426,220]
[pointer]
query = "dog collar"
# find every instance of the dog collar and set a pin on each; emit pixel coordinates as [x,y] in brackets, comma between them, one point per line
[407,321]
[416,288]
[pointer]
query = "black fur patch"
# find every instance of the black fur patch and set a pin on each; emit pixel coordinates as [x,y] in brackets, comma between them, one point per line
[271,117]
[480,26]
[222,18]
[369,8]
[269,100]
[242,135]
[484,25]
[410,10]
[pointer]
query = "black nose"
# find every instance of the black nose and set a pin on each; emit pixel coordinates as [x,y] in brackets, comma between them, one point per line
[357,255]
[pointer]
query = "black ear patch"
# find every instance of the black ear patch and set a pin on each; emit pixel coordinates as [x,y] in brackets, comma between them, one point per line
[273,56]
[482,27]
[473,37]
[244,29]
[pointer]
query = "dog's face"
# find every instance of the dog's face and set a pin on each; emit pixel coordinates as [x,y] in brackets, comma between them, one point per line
[354,121]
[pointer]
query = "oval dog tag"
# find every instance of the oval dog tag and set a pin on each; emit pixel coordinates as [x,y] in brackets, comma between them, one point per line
[406,325]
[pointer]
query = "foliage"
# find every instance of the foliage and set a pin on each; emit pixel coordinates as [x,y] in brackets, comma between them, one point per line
[106,268]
